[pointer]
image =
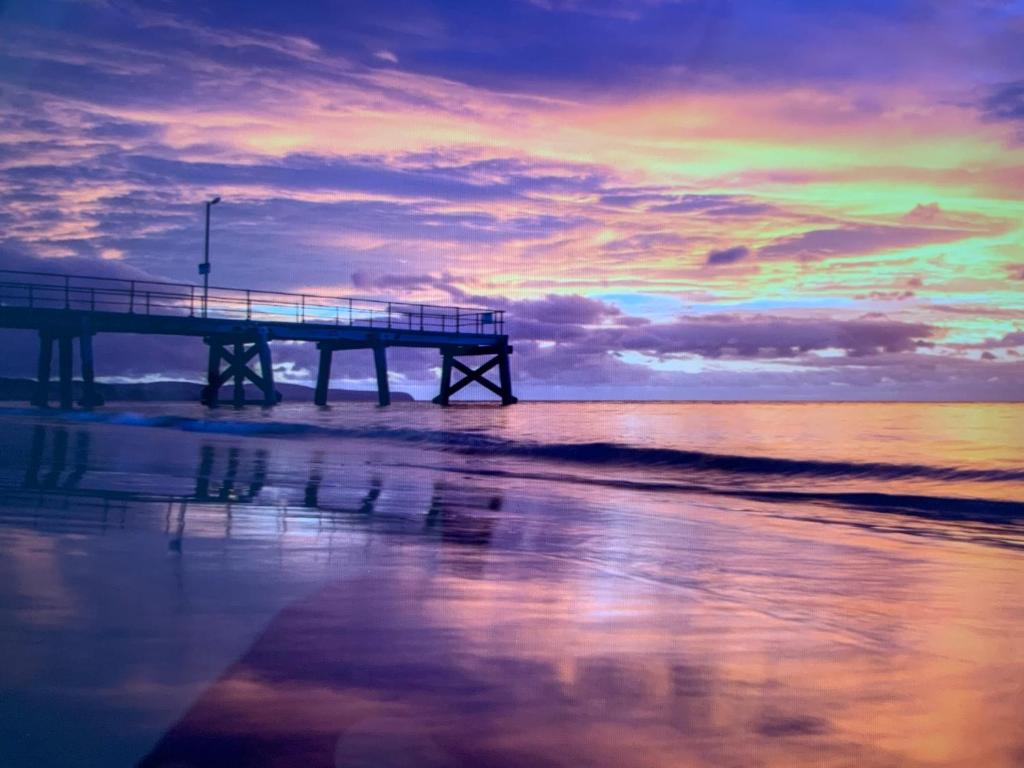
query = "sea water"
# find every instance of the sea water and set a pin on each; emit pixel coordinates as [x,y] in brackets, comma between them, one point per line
[579,584]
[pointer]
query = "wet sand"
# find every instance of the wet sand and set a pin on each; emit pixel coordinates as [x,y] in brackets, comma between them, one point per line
[176,598]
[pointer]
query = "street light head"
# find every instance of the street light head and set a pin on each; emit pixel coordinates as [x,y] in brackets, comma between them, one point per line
[215,200]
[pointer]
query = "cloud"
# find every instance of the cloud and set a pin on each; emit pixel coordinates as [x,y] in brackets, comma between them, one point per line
[365,280]
[922,213]
[887,295]
[586,325]
[715,205]
[13,259]
[1008,340]
[727,256]
[772,336]
[565,47]
[564,310]
[858,240]
[1005,102]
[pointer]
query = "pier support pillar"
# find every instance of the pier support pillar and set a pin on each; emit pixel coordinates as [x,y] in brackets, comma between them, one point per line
[500,359]
[380,363]
[65,370]
[238,395]
[323,374]
[237,351]
[505,377]
[90,398]
[65,338]
[42,394]
[446,378]
[211,391]
[270,395]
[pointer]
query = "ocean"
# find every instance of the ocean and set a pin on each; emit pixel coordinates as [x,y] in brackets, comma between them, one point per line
[550,584]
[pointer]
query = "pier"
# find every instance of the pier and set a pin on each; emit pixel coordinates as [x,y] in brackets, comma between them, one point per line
[238,325]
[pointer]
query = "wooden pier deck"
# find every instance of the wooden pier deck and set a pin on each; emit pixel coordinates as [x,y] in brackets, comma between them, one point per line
[238,326]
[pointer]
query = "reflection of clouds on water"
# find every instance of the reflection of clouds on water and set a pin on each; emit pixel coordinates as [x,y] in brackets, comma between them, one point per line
[321,605]
[364,653]
[389,742]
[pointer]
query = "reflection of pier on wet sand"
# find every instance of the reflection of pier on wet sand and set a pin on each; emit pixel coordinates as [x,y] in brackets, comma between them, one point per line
[226,476]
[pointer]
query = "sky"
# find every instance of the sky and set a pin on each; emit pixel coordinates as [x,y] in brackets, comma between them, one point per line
[688,199]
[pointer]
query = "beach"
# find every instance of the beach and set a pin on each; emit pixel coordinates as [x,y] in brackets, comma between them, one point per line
[579,584]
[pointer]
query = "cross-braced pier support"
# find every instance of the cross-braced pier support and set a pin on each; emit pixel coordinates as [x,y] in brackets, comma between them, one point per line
[237,351]
[499,357]
[64,337]
[323,376]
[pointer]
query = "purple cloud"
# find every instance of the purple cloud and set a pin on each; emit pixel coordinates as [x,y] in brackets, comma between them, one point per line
[564,310]
[1005,102]
[857,240]
[564,320]
[727,256]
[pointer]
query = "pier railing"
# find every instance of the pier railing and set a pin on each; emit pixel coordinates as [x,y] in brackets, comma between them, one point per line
[47,290]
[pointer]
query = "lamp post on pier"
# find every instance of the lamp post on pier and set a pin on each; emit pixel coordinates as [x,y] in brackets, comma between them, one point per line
[204,268]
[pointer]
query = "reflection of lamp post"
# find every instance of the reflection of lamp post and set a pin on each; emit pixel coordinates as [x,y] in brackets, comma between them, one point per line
[204,268]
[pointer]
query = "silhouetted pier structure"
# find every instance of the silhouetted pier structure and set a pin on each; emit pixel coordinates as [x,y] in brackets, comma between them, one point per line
[238,325]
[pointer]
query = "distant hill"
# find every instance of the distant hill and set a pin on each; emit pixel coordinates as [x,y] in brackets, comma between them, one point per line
[185,391]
